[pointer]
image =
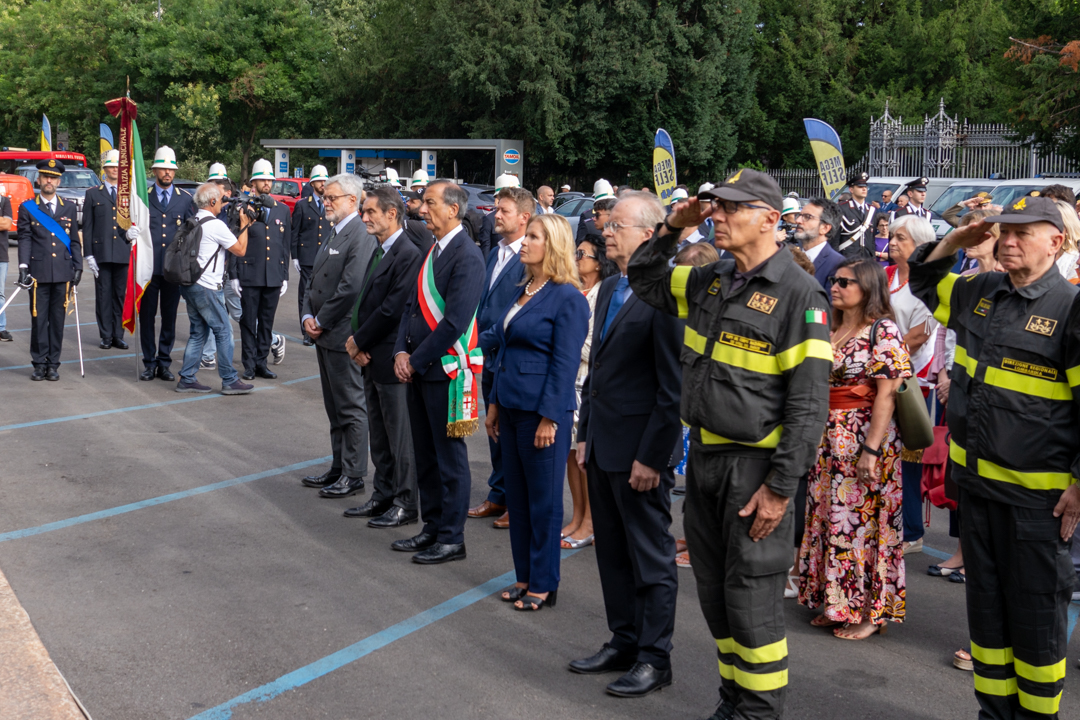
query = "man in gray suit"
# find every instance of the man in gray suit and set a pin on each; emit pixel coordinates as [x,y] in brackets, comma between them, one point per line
[336,279]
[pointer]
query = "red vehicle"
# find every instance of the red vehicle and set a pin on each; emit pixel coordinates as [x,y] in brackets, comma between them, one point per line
[11,158]
[288,190]
[19,189]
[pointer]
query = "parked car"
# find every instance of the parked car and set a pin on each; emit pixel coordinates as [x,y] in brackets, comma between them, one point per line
[73,183]
[572,210]
[288,191]
[481,197]
[934,187]
[1009,191]
[19,190]
[11,159]
[566,196]
[956,193]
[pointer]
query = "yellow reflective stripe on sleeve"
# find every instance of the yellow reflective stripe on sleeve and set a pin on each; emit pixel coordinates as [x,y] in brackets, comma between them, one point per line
[944,296]
[793,356]
[968,363]
[1027,385]
[752,361]
[1040,673]
[959,456]
[991,656]
[1029,480]
[769,441]
[764,654]
[679,278]
[989,686]
[694,341]
[757,682]
[1039,704]
[1073,374]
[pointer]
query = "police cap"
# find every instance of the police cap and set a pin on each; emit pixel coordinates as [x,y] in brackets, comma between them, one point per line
[918,184]
[859,179]
[748,185]
[1030,209]
[54,168]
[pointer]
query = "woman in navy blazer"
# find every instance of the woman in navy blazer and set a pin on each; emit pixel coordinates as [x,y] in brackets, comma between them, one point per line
[539,337]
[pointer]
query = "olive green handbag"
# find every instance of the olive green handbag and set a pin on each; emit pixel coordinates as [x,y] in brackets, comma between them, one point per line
[912,417]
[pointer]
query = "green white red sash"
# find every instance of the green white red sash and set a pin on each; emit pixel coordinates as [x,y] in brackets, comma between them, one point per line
[462,363]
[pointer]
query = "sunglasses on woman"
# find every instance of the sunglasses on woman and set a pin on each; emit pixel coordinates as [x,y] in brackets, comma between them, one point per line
[580,255]
[843,282]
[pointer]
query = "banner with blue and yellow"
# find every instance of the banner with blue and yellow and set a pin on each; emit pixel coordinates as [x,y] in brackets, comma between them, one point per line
[828,154]
[663,170]
[46,134]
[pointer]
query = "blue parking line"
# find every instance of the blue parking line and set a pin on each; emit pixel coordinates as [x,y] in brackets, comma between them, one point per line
[120,510]
[71,362]
[300,380]
[65,327]
[936,553]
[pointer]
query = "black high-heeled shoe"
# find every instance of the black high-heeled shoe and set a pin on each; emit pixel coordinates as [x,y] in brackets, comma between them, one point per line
[530,603]
[512,593]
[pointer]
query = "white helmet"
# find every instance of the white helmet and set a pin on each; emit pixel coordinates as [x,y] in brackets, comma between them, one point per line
[678,194]
[218,172]
[791,205]
[262,170]
[602,189]
[705,187]
[112,159]
[419,179]
[164,158]
[506,180]
[318,173]
[392,176]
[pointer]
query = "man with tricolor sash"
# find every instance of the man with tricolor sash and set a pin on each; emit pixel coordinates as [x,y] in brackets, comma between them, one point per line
[1015,449]
[50,265]
[437,354]
[756,361]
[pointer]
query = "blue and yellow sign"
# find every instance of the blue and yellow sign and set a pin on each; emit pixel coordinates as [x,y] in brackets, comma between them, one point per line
[663,166]
[828,154]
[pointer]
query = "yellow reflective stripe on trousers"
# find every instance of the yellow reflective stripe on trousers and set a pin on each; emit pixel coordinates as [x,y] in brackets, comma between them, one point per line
[769,441]
[991,656]
[757,682]
[1048,674]
[944,296]
[679,277]
[694,341]
[772,652]
[1073,374]
[1029,480]
[1027,385]
[990,686]
[968,363]
[746,360]
[793,356]
[1038,703]
[958,455]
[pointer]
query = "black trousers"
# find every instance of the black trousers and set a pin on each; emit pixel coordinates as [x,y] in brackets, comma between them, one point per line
[258,306]
[442,463]
[110,287]
[343,398]
[301,292]
[47,328]
[158,353]
[635,553]
[740,582]
[1020,579]
[391,443]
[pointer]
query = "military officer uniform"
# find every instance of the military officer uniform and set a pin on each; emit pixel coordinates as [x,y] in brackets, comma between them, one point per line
[310,229]
[49,268]
[1015,448]
[856,238]
[109,247]
[261,271]
[922,211]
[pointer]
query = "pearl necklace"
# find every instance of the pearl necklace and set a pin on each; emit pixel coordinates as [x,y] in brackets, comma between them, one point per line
[530,294]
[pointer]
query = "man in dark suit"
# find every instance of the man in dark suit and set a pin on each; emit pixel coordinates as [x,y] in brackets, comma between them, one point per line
[816,223]
[442,460]
[628,430]
[388,281]
[337,276]
[169,208]
[108,255]
[50,260]
[310,229]
[514,207]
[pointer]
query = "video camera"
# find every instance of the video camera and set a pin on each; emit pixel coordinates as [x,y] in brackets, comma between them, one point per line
[255,207]
[789,232]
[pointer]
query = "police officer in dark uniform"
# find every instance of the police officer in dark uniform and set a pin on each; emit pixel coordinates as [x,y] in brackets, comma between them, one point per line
[856,237]
[169,208]
[108,255]
[1015,449]
[262,276]
[310,229]
[757,356]
[916,192]
[50,263]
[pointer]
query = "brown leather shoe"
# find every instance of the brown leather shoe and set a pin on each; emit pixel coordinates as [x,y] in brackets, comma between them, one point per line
[486,509]
[503,522]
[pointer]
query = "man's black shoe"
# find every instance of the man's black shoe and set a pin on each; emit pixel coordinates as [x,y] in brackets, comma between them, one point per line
[265,373]
[394,517]
[372,508]
[607,660]
[5,336]
[52,374]
[343,488]
[308,342]
[320,481]
[164,374]
[147,374]
[248,375]
[105,344]
[642,679]
[39,374]
[119,344]
[440,553]
[414,544]
[724,711]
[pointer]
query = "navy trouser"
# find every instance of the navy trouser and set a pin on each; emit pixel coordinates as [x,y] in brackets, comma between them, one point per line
[158,353]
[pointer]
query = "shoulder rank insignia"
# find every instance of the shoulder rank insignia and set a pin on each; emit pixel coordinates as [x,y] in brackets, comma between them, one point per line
[714,288]
[1041,325]
[762,303]
[982,307]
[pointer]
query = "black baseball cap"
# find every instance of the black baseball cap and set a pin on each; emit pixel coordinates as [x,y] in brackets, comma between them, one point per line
[860,179]
[1029,209]
[411,195]
[54,168]
[748,185]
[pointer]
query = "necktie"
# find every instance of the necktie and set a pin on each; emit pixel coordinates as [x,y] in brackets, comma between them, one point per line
[435,255]
[163,198]
[112,191]
[375,260]
[318,205]
[617,301]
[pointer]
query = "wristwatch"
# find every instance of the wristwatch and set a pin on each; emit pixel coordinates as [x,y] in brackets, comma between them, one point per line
[676,230]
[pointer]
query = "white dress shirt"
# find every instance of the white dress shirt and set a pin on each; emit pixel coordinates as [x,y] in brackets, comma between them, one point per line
[813,252]
[506,251]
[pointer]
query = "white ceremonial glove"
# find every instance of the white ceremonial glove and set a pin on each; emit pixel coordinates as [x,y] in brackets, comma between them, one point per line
[296,264]
[235,286]
[132,234]
[284,287]
[92,264]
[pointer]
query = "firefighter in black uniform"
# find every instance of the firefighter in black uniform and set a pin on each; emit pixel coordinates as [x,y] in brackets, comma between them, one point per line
[757,357]
[108,255]
[50,263]
[1015,449]
[310,229]
[856,237]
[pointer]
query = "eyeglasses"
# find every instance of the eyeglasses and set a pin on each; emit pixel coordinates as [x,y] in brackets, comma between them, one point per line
[843,282]
[334,198]
[580,255]
[730,207]
[805,216]
[616,227]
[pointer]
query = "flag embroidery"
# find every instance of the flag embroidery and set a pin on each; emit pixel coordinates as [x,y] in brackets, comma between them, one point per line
[816,316]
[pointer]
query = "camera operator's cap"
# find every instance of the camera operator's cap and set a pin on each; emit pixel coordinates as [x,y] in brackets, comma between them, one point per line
[53,168]
[917,184]
[262,170]
[112,159]
[1029,209]
[218,172]
[318,173]
[602,189]
[506,180]
[564,188]
[164,158]
[419,179]
[791,205]
[748,185]
[859,179]
[705,187]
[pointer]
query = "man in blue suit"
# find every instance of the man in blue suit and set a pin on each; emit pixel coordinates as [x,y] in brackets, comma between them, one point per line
[813,227]
[514,207]
[442,462]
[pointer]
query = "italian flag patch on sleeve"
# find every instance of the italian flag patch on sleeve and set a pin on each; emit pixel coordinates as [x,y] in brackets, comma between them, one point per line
[815,316]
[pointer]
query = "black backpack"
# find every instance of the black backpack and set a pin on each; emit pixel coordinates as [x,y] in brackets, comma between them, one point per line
[181,262]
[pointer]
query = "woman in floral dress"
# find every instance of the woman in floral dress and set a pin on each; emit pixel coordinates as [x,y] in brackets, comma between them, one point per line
[851,561]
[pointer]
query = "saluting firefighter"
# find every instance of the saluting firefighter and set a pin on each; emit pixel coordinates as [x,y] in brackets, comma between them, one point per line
[757,356]
[1015,449]
[310,229]
[916,192]
[50,263]
[262,277]
[856,238]
[108,254]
